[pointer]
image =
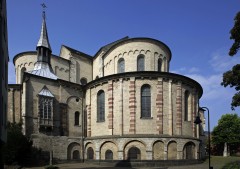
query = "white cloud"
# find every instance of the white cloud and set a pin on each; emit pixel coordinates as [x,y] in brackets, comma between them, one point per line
[222,62]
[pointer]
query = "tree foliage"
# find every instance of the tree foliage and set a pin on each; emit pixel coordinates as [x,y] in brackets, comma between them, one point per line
[235,35]
[18,147]
[227,131]
[232,77]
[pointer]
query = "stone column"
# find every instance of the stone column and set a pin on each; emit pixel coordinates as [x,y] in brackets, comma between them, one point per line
[159,106]
[120,155]
[132,106]
[170,113]
[165,151]
[110,107]
[179,108]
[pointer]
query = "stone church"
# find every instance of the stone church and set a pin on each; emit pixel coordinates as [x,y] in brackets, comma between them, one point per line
[122,103]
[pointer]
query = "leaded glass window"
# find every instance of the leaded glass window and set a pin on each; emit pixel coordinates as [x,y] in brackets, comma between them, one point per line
[121,65]
[101,106]
[145,101]
[159,64]
[45,107]
[140,63]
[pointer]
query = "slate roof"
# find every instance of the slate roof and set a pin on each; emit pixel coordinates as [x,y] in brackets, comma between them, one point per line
[45,92]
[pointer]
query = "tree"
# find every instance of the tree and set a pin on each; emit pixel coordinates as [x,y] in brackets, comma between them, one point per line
[18,147]
[231,77]
[227,131]
[235,35]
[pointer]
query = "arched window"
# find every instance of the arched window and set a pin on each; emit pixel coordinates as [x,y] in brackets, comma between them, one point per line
[134,154]
[100,106]
[121,65]
[83,81]
[145,101]
[76,118]
[76,155]
[22,72]
[159,64]
[108,155]
[189,151]
[140,63]
[186,105]
[90,153]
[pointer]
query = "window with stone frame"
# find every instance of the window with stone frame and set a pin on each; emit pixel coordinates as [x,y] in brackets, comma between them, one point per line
[140,63]
[187,100]
[146,101]
[101,106]
[121,65]
[76,118]
[45,107]
[108,155]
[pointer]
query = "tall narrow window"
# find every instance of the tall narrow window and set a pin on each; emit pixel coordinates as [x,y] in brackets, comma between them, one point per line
[186,105]
[121,65]
[145,101]
[100,106]
[76,118]
[140,63]
[45,107]
[159,64]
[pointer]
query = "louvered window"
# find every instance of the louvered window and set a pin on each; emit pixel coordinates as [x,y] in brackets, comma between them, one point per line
[101,106]
[121,65]
[140,63]
[145,101]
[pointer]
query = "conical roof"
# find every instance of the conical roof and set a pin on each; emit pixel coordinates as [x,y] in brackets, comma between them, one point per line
[43,40]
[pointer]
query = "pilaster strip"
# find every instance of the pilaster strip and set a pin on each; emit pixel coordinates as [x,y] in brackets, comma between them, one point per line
[179,108]
[132,106]
[110,105]
[170,113]
[194,113]
[159,106]
[89,120]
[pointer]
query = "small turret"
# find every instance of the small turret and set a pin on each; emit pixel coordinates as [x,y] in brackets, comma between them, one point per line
[43,66]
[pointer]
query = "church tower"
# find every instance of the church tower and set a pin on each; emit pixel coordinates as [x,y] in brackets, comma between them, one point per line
[43,66]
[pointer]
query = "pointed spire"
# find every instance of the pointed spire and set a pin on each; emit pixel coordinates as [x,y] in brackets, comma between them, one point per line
[43,40]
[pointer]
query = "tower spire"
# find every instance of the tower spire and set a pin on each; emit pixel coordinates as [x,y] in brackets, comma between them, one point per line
[43,40]
[43,66]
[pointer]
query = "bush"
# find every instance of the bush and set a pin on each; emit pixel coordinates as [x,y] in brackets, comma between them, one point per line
[232,165]
[51,167]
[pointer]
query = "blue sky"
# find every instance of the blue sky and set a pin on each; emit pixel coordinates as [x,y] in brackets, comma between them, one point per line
[197,32]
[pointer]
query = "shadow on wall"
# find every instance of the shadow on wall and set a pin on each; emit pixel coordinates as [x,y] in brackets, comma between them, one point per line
[124,163]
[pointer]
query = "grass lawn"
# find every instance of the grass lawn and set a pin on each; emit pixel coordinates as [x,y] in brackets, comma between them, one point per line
[219,161]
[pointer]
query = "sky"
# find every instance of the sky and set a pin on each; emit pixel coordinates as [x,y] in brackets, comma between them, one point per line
[197,33]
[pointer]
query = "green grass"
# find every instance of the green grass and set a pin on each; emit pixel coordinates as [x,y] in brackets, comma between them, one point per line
[220,162]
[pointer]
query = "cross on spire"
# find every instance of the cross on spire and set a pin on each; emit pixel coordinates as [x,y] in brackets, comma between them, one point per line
[43,7]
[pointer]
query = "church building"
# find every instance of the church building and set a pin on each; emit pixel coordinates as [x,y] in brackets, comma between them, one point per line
[122,103]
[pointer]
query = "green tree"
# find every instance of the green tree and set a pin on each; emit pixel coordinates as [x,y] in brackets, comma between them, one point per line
[231,77]
[18,147]
[227,131]
[235,35]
